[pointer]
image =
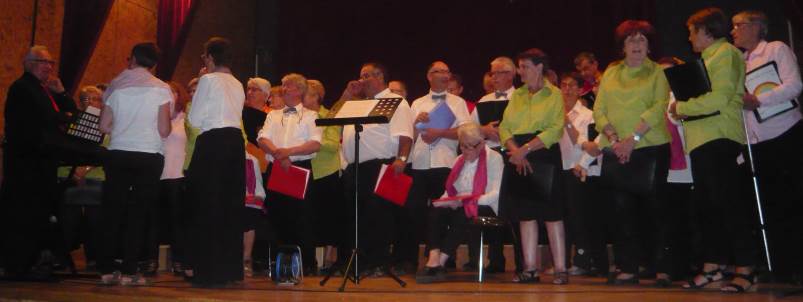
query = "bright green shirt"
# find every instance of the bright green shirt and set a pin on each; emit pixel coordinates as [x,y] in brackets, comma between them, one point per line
[525,114]
[725,67]
[327,160]
[192,134]
[628,95]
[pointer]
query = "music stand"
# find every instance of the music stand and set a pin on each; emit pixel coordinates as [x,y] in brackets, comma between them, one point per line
[381,112]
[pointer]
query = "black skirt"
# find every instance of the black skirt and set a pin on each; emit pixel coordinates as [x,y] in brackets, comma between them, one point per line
[216,186]
[537,196]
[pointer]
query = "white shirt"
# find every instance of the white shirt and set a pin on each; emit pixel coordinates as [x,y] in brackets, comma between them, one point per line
[175,149]
[380,141]
[489,98]
[287,130]
[443,152]
[586,160]
[218,102]
[464,184]
[580,117]
[789,89]
[135,113]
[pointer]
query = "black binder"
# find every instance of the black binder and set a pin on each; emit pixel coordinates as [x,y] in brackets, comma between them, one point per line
[491,111]
[688,81]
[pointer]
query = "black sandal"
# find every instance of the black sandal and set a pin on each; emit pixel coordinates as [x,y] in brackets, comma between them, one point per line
[527,277]
[709,278]
[750,278]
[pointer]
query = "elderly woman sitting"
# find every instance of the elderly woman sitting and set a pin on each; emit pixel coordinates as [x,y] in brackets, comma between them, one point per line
[472,188]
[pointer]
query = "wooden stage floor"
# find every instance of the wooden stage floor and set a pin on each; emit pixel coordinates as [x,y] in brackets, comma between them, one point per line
[460,287]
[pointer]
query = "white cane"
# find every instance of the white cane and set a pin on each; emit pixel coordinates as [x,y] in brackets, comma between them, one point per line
[758,198]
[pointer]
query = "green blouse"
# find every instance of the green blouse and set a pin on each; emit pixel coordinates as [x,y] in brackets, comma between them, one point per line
[327,160]
[726,70]
[525,114]
[628,95]
[192,134]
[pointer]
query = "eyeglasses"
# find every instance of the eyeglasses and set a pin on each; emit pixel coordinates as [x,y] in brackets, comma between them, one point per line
[740,24]
[43,61]
[500,72]
[470,147]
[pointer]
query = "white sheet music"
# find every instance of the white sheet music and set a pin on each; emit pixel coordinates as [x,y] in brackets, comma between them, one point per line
[763,79]
[356,108]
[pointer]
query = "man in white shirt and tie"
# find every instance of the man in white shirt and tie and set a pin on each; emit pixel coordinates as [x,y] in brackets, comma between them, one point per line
[379,144]
[433,155]
[775,141]
[503,71]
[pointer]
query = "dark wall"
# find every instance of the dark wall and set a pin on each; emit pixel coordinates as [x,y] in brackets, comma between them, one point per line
[329,40]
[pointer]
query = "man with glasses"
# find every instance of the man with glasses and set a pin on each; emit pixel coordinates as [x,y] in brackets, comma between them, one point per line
[379,144]
[36,108]
[434,152]
[773,140]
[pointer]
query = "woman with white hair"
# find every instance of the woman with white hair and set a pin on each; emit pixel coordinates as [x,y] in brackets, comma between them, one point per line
[254,111]
[472,188]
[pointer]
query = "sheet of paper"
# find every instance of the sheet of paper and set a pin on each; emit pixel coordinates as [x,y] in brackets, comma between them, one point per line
[356,108]
[762,79]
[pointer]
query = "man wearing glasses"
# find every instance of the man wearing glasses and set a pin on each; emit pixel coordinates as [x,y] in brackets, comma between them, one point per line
[777,160]
[36,107]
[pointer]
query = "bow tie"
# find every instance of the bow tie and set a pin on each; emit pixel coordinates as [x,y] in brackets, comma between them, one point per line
[501,95]
[290,110]
[439,96]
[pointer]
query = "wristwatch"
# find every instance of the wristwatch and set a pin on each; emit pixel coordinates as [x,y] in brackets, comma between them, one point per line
[402,158]
[636,137]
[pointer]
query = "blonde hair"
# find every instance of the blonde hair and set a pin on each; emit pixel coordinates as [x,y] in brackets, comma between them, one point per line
[297,79]
[317,87]
[469,132]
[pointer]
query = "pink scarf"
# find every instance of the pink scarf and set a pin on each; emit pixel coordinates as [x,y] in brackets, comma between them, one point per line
[677,159]
[480,180]
[251,200]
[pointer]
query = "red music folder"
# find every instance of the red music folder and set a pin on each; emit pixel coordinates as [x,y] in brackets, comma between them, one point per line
[292,182]
[391,187]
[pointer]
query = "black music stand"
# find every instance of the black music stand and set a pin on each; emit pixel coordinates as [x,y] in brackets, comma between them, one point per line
[381,113]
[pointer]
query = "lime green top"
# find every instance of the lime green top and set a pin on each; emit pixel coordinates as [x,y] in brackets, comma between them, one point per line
[327,160]
[192,134]
[96,173]
[725,67]
[526,114]
[627,95]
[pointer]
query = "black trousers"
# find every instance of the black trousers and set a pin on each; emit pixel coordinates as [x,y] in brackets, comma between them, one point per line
[427,185]
[778,163]
[584,228]
[132,183]
[293,219]
[493,237]
[447,229]
[726,214]
[633,202]
[216,186]
[172,196]
[29,193]
[330,209]
[377,221]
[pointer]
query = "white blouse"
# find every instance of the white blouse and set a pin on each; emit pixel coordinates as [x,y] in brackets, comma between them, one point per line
[464,184]
[217,103]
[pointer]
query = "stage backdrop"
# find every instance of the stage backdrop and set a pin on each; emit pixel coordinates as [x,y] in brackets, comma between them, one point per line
[328,40]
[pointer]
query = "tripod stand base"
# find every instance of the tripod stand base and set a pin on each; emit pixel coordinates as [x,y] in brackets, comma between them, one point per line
[354,277]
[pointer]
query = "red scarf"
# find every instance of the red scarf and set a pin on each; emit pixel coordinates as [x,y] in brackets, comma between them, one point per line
[480,180]
[677,158]
[251,200]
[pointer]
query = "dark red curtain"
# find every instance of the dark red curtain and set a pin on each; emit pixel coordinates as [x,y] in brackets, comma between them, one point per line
[171,33]
[83,23]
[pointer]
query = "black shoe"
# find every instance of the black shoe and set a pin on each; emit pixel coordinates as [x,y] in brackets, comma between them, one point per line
[663,282]
[493,269]
[431,274]
[629,281]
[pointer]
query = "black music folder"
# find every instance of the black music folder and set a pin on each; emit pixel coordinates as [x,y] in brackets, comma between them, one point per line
[688,81]
[491,111]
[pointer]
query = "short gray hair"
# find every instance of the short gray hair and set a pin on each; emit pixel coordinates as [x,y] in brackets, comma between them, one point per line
[757,17]
[33,51]
[469,131]
[263,84]
[505,61]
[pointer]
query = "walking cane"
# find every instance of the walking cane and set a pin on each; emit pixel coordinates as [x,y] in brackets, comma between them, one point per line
[758,198]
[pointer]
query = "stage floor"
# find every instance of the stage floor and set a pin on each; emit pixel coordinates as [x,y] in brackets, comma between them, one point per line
[460,287]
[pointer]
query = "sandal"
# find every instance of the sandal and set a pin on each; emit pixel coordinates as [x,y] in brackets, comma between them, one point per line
[710,277]
[110,279]
[732,287]
[561,278]
[135,280]
[527,277]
